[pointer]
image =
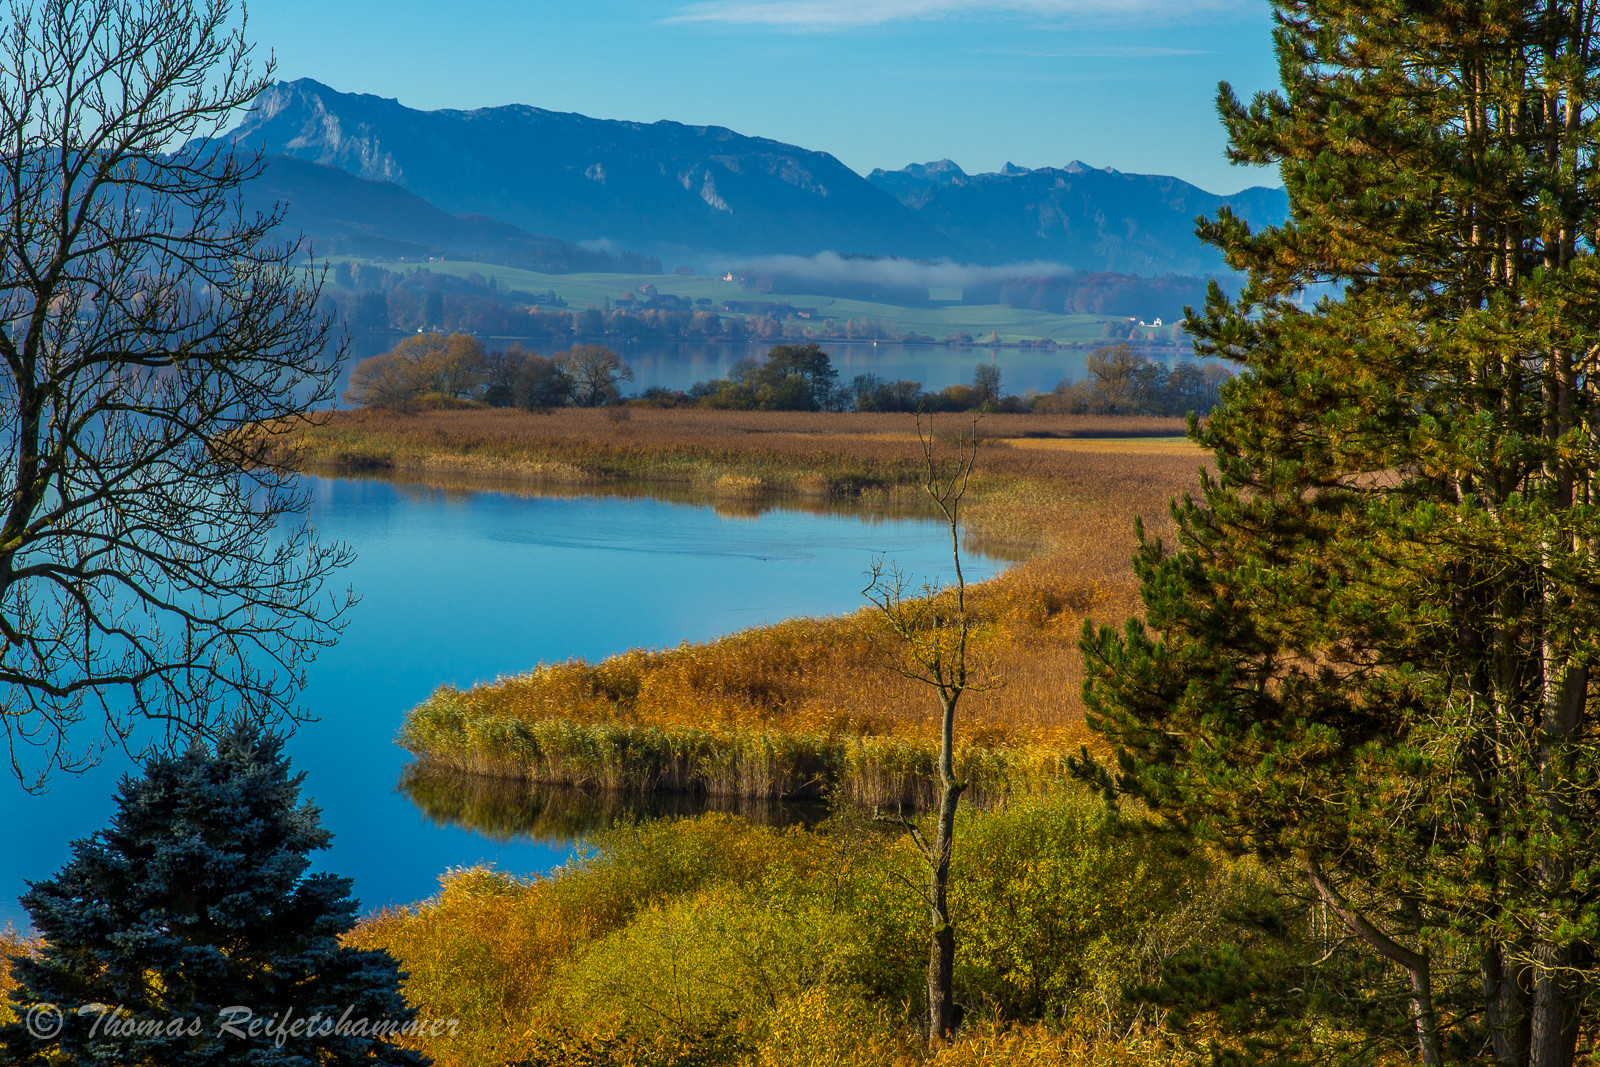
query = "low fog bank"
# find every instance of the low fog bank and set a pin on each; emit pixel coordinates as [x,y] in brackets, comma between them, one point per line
[1038,285]
[833,268]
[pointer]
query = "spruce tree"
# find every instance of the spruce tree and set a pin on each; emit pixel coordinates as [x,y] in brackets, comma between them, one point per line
[1369,656]
[195,904]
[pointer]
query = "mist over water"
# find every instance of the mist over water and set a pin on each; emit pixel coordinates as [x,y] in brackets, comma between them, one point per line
[830,268]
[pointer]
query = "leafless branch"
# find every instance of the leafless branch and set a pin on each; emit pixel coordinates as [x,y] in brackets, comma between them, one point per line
[150,331]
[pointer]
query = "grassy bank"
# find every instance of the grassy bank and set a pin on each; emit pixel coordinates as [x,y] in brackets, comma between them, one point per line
[872,458]
[808,706]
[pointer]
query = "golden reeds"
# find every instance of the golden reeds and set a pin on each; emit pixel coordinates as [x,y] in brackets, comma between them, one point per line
[814,705]
[801,453]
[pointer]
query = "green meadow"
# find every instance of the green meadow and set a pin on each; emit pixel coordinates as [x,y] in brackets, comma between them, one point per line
[938,320]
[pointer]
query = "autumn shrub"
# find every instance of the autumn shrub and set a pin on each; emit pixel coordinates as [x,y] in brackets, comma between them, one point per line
[710,933]
[12,944]
[823,1028]
[1059,909]
[723,953]
[476,952]
[819,911]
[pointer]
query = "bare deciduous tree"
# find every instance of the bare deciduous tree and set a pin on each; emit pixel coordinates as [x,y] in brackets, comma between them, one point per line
[933,626]
[595,373]
[150,333]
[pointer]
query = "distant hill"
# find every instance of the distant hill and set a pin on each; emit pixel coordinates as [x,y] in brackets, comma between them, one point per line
[687,194]
[344,214]
[663,188]
[1093,220]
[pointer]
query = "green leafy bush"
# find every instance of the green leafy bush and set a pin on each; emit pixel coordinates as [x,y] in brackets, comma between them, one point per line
[714,934]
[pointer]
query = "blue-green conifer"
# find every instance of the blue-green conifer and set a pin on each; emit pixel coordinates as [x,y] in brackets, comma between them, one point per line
[194,908]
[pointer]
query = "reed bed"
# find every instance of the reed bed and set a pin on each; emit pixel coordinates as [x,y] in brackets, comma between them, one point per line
[761,764]
[721,453]
[814,706]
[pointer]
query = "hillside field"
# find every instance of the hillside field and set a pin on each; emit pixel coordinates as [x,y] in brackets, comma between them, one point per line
[938,321]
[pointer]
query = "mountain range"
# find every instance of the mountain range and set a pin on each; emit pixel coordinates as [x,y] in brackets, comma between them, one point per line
[522,181]
[347,215]
[1088,218]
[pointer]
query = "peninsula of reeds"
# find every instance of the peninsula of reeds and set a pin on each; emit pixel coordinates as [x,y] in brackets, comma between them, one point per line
[807,707]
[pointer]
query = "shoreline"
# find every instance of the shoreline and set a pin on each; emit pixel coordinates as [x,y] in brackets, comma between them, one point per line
[807,707]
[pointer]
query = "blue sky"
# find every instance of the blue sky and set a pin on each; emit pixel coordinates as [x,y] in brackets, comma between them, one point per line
[879,83]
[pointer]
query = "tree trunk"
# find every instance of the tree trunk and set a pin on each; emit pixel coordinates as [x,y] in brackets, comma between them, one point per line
[1424,1015]
[1553,1028]
[1505,1007]
[942,945]
[1554,1032]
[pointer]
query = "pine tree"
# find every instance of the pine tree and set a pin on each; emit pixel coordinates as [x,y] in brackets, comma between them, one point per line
[196,904]
[1368,657]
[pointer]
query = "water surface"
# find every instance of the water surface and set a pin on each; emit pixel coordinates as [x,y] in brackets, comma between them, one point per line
[461,587]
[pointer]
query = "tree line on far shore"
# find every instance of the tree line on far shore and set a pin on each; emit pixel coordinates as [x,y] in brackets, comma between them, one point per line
[368,296]
[454,370]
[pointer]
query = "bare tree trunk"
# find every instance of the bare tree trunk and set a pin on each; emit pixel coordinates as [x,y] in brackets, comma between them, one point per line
[942,946]
[939,654]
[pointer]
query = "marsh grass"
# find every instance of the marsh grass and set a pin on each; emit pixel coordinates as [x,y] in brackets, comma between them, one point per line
[844,456]
[808,706]
[816,707]
[763,764]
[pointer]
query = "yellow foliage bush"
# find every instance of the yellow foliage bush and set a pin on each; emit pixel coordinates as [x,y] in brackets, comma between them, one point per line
[688,940]
[822,1028]
[477,952]
[1057,909]
[12,944]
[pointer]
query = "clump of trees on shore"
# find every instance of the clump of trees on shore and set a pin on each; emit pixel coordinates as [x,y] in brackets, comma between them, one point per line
[1121,381]
[439,370]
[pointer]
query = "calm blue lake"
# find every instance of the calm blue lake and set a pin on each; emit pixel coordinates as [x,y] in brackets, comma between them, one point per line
[463,587]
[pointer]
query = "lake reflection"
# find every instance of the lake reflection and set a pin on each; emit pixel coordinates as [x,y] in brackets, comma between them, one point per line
[505,809]
[459,587]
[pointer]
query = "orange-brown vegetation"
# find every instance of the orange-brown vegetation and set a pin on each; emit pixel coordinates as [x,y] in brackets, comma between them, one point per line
[812,454]
[805,701]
